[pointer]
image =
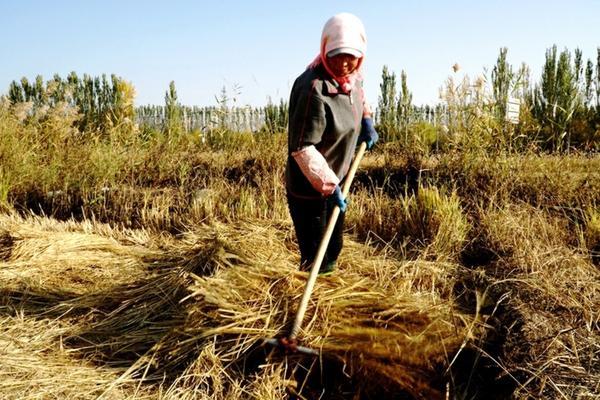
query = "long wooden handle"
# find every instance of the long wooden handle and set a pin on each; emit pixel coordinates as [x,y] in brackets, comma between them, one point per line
[314,271]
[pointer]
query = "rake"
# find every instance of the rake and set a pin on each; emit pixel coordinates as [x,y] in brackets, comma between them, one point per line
[290,343]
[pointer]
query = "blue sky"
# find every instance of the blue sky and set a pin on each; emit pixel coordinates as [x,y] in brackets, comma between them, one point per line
[259,47]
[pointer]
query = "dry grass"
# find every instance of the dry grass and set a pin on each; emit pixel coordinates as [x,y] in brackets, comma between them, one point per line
[551,292]
[183,314]
[34,364]
[544,181]
[381,334]
[46,256]
[591,235]
[89,309]
[428,225]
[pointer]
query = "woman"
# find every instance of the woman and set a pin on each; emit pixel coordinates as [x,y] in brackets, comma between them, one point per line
[328,117]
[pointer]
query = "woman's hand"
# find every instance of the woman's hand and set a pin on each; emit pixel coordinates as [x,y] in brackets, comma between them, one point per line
[368,134]
[338,198]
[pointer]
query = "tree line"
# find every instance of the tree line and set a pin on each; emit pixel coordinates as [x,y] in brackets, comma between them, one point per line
[107,102]
[559,112]
[102,102]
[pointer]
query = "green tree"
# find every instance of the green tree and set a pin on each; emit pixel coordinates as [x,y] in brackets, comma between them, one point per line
[102,103]
[276,116]
[404,106]
[39,91]
[173,114]
[28,90]
[556,97]
[15,93]
[387,104]
[502,80]
[597,83]
[589,82]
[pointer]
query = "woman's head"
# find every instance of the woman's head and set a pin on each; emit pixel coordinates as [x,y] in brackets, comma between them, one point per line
[342,64]
[343,44]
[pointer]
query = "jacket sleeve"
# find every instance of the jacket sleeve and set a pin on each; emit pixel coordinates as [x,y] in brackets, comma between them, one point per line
[315,168]
[308,121]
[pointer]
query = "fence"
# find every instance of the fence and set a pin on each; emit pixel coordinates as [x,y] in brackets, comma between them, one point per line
[206,118]
[254,118]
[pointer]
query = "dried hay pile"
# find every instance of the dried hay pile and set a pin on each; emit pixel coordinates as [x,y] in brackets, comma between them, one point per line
[130,314]
[34,363]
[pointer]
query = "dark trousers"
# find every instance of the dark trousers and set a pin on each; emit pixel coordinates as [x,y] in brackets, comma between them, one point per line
[310,219]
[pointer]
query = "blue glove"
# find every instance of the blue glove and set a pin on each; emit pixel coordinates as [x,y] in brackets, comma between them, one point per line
[338,198]
[368,133]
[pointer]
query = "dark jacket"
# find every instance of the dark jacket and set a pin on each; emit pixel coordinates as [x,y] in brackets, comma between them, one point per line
[322,115]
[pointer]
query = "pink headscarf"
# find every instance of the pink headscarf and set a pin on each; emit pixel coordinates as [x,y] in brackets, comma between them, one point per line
[342,30]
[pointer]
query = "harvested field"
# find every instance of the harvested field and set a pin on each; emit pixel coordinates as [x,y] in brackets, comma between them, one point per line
[176,315]
[154,267]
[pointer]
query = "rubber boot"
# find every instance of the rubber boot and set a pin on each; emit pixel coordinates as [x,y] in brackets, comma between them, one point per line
[327,269]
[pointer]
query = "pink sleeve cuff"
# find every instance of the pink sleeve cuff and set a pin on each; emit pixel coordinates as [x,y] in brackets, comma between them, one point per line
[314,166]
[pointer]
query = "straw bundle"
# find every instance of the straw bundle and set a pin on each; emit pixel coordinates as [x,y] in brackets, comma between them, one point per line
[392,339]
[388,330]
[34,364]
[185,315]
[61,260]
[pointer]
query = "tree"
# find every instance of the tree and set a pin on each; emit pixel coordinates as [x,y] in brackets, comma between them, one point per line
[15,93]
[39,91]
[589,82]
[387,103]
[276,116]
[502,79]
[598,84]
[404,105]
[28,90]
[556,97]
[173,120]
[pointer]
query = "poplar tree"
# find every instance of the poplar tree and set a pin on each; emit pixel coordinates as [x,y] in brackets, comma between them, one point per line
[276,116]
[502,78]
[404,105]
[39,91]
[568,98]
[589,82]
[578,65]
[387,102]
[579,80]
[15,93]
[522,83]
[598,84]
[556,97]
[58,92]
[173,120]
[102,103]
[27,89]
